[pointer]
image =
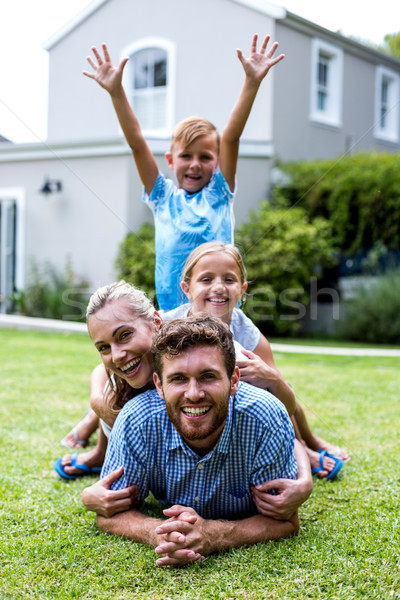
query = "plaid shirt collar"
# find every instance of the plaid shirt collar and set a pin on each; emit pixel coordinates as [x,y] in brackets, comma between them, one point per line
[175,439]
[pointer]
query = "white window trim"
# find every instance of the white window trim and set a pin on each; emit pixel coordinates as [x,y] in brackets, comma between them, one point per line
[333,116]
[18,195]
[391,132]
[170,48]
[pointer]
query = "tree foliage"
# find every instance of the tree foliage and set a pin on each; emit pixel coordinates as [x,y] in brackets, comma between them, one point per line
[359,195]
[392,44]
[136,259]
[283,253]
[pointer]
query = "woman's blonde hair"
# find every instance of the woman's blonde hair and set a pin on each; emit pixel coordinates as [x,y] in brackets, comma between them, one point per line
[119,391]
[210,248]
[137,299]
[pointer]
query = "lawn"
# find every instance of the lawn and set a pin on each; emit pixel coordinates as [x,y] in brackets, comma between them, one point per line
[50,547]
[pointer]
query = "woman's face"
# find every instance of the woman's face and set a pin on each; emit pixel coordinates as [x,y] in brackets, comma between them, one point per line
[124,341]
[215,286]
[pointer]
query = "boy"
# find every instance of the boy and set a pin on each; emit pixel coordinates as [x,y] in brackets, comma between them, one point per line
[198,209]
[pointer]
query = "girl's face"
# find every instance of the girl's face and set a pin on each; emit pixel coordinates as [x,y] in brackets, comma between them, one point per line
[124,341]
[215,286]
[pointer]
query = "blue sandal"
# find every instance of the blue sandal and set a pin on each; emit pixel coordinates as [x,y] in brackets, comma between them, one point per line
[336,468]
[86,470]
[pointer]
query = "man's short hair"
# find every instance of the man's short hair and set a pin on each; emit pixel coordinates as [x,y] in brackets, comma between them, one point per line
[190,129]
[178,335]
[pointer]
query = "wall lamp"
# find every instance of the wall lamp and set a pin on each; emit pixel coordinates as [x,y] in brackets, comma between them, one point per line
[51,186]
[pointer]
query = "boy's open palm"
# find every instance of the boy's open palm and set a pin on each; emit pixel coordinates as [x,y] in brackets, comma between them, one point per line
[105,73]
[257,65]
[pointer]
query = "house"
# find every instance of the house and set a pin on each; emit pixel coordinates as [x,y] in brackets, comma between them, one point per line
[76,195]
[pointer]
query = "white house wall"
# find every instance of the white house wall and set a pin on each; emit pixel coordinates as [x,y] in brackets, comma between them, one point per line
[83,224]
[296,136]
[208,73]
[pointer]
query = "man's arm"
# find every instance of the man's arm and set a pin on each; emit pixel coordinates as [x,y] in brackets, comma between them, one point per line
[256,66]
[110,78]
[291,493]
[148,530]
[204,536]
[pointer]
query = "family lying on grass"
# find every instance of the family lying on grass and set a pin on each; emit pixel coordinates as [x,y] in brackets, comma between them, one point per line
[191,404]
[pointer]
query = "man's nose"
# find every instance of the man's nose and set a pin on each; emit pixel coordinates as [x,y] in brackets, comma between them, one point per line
[193,391]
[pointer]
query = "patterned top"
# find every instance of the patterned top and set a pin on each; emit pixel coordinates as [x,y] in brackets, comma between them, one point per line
[183,221]
[256,445]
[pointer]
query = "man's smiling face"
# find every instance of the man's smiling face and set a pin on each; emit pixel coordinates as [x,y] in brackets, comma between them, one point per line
[196,389]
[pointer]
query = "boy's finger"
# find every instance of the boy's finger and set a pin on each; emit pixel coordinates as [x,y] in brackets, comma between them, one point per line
[265,44]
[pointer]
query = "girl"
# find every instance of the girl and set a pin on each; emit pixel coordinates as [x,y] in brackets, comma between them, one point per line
[214,280]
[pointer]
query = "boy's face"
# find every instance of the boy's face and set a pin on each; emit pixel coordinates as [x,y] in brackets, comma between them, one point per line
[194,165]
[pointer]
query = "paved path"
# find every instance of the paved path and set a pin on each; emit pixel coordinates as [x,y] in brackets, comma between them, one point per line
[33,323]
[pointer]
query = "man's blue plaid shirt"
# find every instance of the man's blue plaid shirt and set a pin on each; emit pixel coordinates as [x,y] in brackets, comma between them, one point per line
[256,445]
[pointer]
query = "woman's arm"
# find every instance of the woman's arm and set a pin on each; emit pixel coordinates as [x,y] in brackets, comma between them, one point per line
[260,370]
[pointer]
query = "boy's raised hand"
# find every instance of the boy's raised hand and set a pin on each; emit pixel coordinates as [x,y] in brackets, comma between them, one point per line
[257,65]
[105,73]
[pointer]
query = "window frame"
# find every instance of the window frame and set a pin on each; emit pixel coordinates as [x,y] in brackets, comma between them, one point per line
[333,91]
[390,132]
[169,48]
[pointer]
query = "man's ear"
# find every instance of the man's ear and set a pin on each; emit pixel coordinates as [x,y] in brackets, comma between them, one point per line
[235,379]
[157,383]
[169,159]
[185,290]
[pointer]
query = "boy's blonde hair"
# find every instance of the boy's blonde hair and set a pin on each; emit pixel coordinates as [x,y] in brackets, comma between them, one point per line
[189,130]
[210,248]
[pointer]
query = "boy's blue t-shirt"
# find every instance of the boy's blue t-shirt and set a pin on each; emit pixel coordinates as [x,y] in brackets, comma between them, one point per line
[182,222]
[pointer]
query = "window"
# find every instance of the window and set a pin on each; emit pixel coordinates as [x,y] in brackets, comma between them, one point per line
[148,82]
[11,251]
[387,104]
[326,83]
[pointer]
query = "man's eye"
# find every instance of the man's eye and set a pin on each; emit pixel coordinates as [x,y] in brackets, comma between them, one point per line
[102,349]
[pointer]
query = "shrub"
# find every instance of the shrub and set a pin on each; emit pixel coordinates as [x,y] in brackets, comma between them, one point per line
[360,195]
[53,295]
[283,251]
[136,259]
[373,314]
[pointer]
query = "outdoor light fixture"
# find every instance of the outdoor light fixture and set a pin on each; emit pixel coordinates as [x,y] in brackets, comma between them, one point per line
[51,186]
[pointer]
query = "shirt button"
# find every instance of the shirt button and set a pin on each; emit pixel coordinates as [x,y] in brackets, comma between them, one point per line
[200,466]
[197,499]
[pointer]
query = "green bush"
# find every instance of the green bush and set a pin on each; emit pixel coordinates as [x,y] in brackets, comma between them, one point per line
[373,314]
[53,295]
[359,195]
[282,251]
[136,260]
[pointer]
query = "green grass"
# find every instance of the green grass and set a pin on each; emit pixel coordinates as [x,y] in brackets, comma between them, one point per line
[51,548]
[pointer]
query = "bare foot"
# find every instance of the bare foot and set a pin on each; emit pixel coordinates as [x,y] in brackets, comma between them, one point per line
[315,457]
[322,444]
[79,436]
[91,459]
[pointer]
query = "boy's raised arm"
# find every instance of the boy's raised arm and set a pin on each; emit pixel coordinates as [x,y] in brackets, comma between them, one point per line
[109,77]
[256,66]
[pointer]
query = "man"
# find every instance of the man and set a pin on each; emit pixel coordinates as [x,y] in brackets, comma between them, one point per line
[198,443]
